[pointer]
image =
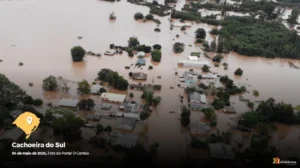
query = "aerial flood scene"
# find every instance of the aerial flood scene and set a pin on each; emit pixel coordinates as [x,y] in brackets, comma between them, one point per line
[152,83]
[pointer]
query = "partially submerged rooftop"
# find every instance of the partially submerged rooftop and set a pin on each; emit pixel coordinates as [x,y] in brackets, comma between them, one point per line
[221,151]
[68,102]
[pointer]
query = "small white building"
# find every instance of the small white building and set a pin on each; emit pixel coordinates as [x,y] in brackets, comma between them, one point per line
[113,97]
[193,58]
[182,24]
[193,63]
[141,54]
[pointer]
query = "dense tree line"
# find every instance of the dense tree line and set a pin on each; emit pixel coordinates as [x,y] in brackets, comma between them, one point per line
[270,111]
[113,78]
[248,36]
[11,95]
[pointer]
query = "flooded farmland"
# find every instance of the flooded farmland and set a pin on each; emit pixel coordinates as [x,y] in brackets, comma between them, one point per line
[40,34]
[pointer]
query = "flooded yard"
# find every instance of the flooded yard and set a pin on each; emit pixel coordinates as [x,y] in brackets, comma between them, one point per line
[40,33]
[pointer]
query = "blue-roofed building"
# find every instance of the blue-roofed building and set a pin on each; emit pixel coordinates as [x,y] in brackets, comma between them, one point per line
[141,61]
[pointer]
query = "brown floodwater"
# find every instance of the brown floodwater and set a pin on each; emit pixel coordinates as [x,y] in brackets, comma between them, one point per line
[41,33]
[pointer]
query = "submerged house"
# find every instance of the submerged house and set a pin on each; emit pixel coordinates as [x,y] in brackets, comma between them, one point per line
[128,115]
[193,63]
[95,89]
[221,151]
[137,87]
[190,77]
[141,54]
[110,52]
[68,103]
[197,98]
[126,123]
[229,109]
[199,128]
[106,106]
[141,61]
[139,76]
[125,141]
[113,97]
[130,107]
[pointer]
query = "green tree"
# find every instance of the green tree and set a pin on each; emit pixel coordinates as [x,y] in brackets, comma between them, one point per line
[99,129]
[156,55]
[38,102]
[293,18]
[153,149]
[200,33]
[178,47]
[185,116]
[50,83]
[83,87]
[69,127]
[133,42]
[218,58]
[149,17]
[213,45]
[108,129]
[77,53]
[210,114]
[28,100]
[156,100]
[251,119]
[156,47]
[138,16]
[214,31]
[131,95]
[238,72]
[86,104]
[4,114]
[205,68]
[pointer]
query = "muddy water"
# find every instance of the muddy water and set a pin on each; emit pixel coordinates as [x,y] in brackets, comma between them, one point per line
[41,33]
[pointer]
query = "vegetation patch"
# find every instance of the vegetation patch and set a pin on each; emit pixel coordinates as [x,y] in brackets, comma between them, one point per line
[178,47]
[251,37]
[113,78]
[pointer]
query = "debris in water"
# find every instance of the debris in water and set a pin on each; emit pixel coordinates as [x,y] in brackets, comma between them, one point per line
[79,37]
[1,60]
[171,87]
[159,77]
[21,64]
[30,84]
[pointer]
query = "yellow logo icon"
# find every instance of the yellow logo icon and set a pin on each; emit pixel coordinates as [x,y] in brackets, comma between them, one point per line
[276,160]
[27,122]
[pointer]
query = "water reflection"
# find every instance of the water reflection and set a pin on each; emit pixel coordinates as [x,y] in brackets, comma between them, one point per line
[79,69]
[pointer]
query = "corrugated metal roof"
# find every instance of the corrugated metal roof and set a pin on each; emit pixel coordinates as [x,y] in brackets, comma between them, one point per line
[221,151]
[68,102]
[113,97]
[192,62]
[95,89]
[128,115]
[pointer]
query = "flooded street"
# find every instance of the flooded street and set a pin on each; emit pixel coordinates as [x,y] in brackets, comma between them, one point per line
[40,33]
